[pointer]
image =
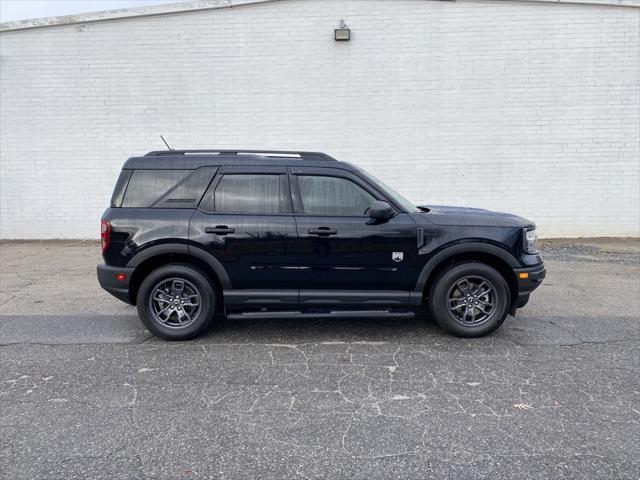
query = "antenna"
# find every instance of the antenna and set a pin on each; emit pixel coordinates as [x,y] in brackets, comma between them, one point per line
[165,142]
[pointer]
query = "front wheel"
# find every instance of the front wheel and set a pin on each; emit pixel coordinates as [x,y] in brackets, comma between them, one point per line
[176,302]
[470,299]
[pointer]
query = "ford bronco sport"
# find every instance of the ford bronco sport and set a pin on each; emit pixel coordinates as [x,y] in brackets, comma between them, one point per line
[259,234]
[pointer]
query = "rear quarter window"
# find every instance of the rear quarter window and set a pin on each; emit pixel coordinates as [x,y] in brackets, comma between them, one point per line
[188,192]
[147,186]
[121,186]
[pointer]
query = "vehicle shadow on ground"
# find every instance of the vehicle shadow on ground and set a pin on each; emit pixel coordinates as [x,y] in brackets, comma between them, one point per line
[523,330]
[127,329]
[307,330]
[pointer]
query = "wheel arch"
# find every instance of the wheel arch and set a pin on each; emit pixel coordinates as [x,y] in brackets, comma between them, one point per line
[153,257]
[494,256]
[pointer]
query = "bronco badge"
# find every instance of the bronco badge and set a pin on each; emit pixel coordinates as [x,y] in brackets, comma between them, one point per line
[397,256]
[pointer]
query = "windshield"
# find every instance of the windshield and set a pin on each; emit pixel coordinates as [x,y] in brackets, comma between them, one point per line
[395,196]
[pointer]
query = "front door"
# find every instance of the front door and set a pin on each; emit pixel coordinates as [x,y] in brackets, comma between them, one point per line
[245,221]
[344,254]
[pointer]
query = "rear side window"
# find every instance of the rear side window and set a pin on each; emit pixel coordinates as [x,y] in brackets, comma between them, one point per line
[333,196]
[147,186]
[188,192]
[121,185]
[245,194]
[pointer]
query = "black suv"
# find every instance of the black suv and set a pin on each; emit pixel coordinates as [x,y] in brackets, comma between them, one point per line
[259,234]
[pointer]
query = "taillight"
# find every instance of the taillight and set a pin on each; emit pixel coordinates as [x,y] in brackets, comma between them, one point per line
[105,234]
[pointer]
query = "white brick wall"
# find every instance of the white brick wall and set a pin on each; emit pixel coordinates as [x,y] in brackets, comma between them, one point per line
[521,107]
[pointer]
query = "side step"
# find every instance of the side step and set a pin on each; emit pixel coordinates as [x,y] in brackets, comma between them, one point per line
[331,314]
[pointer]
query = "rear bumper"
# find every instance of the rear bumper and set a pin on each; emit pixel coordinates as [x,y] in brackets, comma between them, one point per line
[534,275]
[117,288]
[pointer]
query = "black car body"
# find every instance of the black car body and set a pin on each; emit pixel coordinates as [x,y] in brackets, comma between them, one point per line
[299,233]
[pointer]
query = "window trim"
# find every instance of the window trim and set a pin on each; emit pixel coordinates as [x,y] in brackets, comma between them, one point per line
[284,188]
[298,206]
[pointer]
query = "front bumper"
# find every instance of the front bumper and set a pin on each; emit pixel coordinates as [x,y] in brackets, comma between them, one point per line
[116,287]
[534,277]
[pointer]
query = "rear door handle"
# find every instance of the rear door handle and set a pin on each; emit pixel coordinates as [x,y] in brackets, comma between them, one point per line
[220,230]
[323,231]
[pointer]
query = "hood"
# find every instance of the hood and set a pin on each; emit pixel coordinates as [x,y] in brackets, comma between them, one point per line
[472,217]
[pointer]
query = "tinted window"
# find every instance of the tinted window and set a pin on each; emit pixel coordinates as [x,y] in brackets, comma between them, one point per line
[121,185]
[332,196]
[147,186]
[247,194]
[396,196]
[188,192]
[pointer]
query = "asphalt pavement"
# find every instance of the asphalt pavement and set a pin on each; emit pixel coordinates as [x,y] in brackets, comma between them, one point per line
[87,392]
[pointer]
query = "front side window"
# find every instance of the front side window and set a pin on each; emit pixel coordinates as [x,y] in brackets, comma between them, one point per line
[244,194]
[395,196]
[332,196]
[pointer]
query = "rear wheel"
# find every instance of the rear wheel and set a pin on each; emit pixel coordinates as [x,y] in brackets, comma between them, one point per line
[176,302]
[470,299]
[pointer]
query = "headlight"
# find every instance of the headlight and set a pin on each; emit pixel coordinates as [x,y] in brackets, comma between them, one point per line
[531,241]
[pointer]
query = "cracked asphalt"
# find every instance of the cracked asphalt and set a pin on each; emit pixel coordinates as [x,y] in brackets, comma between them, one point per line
[86,392]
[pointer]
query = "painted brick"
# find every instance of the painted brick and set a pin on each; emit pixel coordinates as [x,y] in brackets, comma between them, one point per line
[521,107]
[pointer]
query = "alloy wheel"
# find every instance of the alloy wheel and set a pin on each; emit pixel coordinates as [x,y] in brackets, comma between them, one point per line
[175,302]
[472,300]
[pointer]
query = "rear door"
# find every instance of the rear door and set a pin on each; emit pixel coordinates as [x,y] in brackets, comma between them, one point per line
[245,221]
[343,253]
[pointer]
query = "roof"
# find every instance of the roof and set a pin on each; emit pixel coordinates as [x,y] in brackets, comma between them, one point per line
[192,159]
[125,13]
[201,5]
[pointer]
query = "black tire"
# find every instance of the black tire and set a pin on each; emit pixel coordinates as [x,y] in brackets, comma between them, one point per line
[165,282]
[470,316]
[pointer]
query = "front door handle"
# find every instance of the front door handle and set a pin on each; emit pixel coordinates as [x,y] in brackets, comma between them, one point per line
[323,231]
[220,230]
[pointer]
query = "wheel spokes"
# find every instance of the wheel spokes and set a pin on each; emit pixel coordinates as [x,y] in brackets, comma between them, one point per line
[483,308]
[476,291]
[194,301]
[178,287]
[463,290]
[175,303]
[471,300]
[459,302]
[484,302]
[184,313]
[167,316]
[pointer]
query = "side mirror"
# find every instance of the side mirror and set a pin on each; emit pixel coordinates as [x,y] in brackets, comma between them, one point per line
[380,211]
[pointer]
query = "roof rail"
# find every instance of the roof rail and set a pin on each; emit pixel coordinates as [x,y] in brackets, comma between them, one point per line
[263,153]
